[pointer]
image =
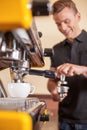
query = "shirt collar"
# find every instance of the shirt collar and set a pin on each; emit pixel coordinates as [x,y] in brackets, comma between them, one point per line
[79,38]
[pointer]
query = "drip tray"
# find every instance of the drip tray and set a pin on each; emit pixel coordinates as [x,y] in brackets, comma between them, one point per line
[20,104]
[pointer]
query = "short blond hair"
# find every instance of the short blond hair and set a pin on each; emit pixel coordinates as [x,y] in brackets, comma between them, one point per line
[59,5]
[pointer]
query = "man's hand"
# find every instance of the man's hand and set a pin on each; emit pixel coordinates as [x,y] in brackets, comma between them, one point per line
[71,70]
[56,96]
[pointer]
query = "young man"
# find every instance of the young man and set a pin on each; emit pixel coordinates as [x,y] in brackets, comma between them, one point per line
[70,59]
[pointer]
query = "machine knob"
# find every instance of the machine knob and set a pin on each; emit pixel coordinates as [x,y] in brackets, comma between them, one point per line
[44,117]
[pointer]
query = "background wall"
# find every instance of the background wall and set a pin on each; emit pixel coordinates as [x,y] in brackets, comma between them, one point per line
[50,37]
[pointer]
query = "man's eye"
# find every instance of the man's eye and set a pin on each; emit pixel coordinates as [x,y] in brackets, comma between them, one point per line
[67,21]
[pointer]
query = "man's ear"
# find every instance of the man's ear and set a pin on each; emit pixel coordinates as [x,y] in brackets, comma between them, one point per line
[78,16]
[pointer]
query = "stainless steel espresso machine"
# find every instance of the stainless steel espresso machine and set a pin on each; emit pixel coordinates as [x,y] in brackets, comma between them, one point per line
[20,50]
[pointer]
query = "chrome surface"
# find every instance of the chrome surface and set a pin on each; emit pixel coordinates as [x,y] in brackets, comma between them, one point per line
[62,87]
[20,50]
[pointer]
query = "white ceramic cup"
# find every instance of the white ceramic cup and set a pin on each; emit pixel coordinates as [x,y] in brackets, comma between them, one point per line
[20,89]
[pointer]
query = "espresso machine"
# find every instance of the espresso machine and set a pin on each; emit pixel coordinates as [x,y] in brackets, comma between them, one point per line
[20,50]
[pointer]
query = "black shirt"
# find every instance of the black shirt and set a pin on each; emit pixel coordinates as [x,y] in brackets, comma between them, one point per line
[73,108]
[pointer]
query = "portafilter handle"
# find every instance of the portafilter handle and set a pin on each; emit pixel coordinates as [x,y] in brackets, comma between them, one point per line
[44,73]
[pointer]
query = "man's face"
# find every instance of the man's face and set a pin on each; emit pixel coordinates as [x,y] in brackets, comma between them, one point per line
[68,22]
